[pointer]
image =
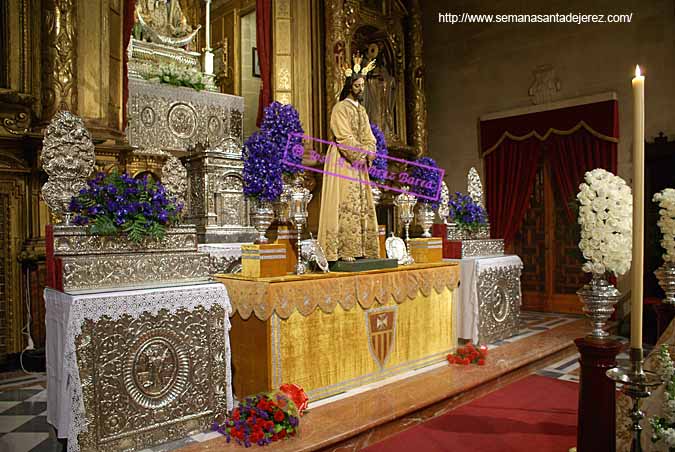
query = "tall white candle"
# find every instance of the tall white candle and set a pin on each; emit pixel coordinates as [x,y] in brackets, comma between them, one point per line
[207,32]
[638,207]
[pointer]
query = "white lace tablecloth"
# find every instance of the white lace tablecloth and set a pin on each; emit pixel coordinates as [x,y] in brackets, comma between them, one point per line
[470,270]
[65,314]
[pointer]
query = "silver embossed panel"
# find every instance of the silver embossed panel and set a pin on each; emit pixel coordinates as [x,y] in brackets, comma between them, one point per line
[158,378]
[171,118]
[498,303]
[115,271]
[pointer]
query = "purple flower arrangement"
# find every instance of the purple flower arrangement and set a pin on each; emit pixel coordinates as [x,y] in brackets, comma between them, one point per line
[114,204]
[278,122]
[262,168]
[380,161]
[261,419]
[429,176]
[466,213]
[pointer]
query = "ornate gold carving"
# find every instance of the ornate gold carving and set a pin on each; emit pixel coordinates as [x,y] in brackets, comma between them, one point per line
[174,178]
[59,74]
[15,113]
[13,200]
[164,23]
[67,158]
[283,9]
[417,98]
[162,380]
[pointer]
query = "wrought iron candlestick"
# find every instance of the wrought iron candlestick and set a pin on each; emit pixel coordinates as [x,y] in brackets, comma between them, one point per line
[637,384]
[300,198]
[406,204]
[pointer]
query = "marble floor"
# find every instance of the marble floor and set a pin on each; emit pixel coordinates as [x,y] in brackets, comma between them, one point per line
[23,398]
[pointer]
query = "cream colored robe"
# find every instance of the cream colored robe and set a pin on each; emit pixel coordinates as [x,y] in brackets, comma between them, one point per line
[348,223]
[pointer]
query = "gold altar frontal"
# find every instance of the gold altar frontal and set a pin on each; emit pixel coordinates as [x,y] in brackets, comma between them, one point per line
[337,331]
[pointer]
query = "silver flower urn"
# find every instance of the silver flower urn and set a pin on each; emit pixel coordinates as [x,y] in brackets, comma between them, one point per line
[666,276]
[427,215]
[377,194]
[262,217]
[283,206]
[599,298]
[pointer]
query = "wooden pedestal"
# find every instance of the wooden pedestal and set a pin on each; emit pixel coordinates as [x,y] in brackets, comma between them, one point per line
[596,430]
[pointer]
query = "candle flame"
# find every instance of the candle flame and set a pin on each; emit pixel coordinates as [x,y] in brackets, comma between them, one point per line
[637,71]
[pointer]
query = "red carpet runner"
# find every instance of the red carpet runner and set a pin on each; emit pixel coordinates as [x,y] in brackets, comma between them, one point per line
[534,414]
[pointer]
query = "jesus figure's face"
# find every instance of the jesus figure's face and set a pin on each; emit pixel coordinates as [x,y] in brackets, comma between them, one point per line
[357,89]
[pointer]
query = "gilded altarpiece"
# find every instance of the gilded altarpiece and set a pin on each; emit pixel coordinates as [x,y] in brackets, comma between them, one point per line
[391,33]
[12,236]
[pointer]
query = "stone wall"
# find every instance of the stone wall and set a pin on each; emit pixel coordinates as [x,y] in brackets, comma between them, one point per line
[475,69]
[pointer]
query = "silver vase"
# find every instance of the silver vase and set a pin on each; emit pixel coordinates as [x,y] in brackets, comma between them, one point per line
[427,215]
[262,217]
[377,194]
[282,207]
[599,298]
[666,276]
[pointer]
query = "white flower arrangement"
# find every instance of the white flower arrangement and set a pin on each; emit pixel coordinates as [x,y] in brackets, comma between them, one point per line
[177,76]
[666,200]
[606,219]
[664,427]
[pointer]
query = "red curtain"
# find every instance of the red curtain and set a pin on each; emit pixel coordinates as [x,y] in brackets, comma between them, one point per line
[571,156]
[577,139]
[264,45]
[509,172]
[127,26]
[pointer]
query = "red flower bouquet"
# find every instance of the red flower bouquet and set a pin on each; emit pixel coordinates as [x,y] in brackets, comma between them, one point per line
[469,354]
[264,418]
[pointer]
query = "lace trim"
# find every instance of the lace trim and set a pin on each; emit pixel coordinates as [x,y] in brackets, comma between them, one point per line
[133,303]
[284,295]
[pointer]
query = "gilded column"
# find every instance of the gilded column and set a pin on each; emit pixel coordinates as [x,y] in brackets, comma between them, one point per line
[415,77]
[59,90]
[282,81]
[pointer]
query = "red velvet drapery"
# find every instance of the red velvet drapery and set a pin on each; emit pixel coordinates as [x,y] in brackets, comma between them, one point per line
[512,167]
[127,26]
[571,156]
[578,139]
[263,34]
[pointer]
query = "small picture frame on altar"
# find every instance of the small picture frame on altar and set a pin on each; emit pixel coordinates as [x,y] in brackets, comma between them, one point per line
[256,62]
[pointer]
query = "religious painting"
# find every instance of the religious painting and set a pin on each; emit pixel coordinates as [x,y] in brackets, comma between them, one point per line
[255,62]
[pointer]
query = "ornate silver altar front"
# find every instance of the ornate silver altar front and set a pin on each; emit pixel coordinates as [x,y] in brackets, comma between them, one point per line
[86,262]
[134,369]
[499,299]
[490,298]
[481,247]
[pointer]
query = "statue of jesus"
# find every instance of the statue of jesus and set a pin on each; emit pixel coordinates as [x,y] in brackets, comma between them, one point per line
[348,223]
